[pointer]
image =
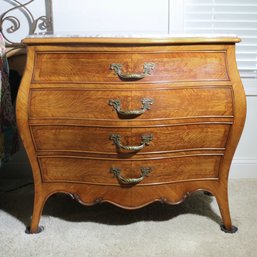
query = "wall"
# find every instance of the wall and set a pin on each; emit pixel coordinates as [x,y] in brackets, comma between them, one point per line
[245,160]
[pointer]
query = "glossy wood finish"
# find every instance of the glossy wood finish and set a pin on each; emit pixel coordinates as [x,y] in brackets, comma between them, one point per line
[195,121]
[165,169]
[95,67]
[167,103]
[97,140]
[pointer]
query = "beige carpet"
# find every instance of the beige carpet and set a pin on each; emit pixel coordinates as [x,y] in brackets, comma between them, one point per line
[189,229]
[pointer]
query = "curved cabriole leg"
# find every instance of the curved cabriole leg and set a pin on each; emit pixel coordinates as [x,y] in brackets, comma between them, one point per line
[39,202]
[222,200]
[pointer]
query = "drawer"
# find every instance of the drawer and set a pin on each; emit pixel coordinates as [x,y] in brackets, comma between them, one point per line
[130,140]
[120,104]
[96,67]
[101,171]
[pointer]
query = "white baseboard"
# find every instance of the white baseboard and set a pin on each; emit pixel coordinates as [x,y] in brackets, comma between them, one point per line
[243,168]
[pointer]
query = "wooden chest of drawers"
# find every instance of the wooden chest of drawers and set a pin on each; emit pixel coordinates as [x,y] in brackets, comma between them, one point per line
[130,121]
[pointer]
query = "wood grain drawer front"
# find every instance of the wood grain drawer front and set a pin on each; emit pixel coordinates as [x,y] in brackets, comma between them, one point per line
[120,140]
[88,67]
[95,104]
[57,169]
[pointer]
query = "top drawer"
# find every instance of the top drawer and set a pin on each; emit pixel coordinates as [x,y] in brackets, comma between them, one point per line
[140,67]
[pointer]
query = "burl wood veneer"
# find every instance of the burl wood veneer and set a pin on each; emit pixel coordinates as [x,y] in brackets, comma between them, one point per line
[131,121]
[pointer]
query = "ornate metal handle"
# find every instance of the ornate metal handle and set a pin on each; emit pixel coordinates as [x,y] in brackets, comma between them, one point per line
[130,181]
[146,102]
[148,67]
[145,140]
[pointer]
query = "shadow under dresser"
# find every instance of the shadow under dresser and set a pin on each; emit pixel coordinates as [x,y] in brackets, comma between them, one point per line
[130,121]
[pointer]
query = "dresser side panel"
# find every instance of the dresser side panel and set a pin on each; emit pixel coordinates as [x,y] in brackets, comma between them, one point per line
[22,114]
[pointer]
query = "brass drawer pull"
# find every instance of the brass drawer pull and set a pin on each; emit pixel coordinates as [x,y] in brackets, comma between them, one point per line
[148,67]
[146,102]
[130,181]
[145,140]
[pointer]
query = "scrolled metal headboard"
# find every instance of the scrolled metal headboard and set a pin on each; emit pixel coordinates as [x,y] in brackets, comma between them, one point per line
[42,24]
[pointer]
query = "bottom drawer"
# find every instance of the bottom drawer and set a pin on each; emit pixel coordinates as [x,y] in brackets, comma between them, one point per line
[104,171]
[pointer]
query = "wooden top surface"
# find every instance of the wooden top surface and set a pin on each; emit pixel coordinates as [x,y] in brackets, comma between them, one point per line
[142,39]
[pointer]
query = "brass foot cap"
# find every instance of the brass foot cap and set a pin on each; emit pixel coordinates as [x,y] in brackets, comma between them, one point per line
[233,230]
[39,230]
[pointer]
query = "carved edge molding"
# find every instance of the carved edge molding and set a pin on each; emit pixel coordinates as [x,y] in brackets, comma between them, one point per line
[100,200]
[43,23]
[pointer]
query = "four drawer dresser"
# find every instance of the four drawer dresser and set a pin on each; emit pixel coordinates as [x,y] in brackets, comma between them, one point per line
[130,121]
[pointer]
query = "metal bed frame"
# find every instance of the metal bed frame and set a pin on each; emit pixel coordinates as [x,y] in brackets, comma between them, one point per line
[42,24]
